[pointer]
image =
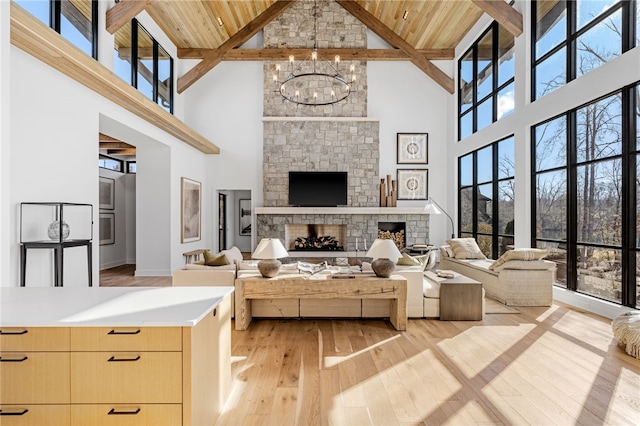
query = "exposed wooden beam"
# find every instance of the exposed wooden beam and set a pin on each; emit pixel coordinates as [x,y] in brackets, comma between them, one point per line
[213,57]
[345,54]
[106,138]
[502,12]
[115,145]
[77,19]
[123,12]
[130,151]
[41,42]
[395,40]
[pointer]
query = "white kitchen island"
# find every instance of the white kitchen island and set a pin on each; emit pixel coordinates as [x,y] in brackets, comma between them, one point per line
[114,355]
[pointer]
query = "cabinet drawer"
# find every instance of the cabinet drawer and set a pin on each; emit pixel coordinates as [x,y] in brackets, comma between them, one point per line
[126,339]
[34,339]
[34,377]
[35,415]
[129,415]
[126,377]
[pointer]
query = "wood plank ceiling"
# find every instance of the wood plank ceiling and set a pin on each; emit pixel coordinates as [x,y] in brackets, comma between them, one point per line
[212,30]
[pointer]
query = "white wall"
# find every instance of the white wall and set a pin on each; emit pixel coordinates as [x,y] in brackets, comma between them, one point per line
[53,149]
[5,159]
[130,218]
[226,105]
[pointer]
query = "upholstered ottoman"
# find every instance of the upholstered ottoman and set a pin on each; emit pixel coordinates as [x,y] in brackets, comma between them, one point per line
[626,330]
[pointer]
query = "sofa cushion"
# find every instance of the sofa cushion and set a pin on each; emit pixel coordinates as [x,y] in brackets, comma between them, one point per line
[446,251]
[233,254]
[246,265]
[430,289]
[408,260]
[465,248]
[519,254]
[211,259]
[196,267]
[526,265]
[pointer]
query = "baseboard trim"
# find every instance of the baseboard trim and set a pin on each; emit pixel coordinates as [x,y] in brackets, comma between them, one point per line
[152,273]
[588,303]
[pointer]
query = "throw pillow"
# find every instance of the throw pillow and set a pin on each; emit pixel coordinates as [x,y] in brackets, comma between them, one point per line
[526,265]
[211,259]
[465,248]
[234,255]
[519,254]
[408,260]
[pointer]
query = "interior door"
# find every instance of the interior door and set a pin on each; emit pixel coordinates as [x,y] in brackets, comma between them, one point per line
[222,221]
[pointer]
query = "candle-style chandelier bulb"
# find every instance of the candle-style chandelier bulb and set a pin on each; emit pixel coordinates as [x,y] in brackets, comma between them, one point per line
[314,81]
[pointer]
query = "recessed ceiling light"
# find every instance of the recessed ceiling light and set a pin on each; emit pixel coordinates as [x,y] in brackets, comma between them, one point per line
[220,21]
[405,14]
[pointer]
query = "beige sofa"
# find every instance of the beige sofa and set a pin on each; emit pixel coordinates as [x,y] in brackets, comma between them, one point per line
[514,283]
[417,306]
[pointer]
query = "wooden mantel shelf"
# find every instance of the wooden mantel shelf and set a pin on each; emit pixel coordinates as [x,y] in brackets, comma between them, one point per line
[339,210]
[40,41]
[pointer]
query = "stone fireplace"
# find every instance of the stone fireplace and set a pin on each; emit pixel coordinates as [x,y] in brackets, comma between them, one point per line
[331,138]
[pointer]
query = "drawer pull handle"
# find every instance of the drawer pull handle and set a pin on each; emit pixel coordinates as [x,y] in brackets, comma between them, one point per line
[13,413]
[114,359]
[124,332]
[14,333]
[113,412]
[24,358]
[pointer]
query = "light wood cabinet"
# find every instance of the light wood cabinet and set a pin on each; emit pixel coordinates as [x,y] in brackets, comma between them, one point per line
[35,415]
[131,415]
[116,376]
[126,339]
[122,377]
[34,378]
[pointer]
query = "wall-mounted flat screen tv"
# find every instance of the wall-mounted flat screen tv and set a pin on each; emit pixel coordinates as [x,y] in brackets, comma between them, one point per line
[318,189]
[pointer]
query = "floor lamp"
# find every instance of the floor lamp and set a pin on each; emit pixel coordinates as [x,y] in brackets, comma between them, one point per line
[433,207]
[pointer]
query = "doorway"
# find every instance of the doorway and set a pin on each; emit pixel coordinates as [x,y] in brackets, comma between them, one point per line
[235,219]
[222,221]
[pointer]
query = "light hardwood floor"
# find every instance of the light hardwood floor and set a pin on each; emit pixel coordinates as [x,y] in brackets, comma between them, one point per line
[543,366]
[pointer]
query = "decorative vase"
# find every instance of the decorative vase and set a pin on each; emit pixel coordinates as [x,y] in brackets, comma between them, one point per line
[54,230]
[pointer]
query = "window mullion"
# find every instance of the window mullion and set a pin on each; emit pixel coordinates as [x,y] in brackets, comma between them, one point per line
[495,231]
[572,208]
[95,16]
[55,10]
[571,41]
[134,53]
[155,71]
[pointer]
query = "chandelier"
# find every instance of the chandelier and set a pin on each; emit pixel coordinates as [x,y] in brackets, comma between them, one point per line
[314,82]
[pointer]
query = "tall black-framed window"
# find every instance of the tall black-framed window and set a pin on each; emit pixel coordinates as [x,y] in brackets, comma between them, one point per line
[75,20]
[486,196]
[572,37]
[586,196]
[486,80]
[140,60]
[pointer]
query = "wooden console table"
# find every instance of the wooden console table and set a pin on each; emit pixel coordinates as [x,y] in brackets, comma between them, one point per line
[321,287]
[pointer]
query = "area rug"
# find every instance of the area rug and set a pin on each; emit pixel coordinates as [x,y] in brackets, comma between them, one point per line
[494,307]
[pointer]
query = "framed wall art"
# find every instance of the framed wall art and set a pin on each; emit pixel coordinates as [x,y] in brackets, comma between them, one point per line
[190,210]
[413,148]
[107,228]
[412,184]
[244,213]
[106,193]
